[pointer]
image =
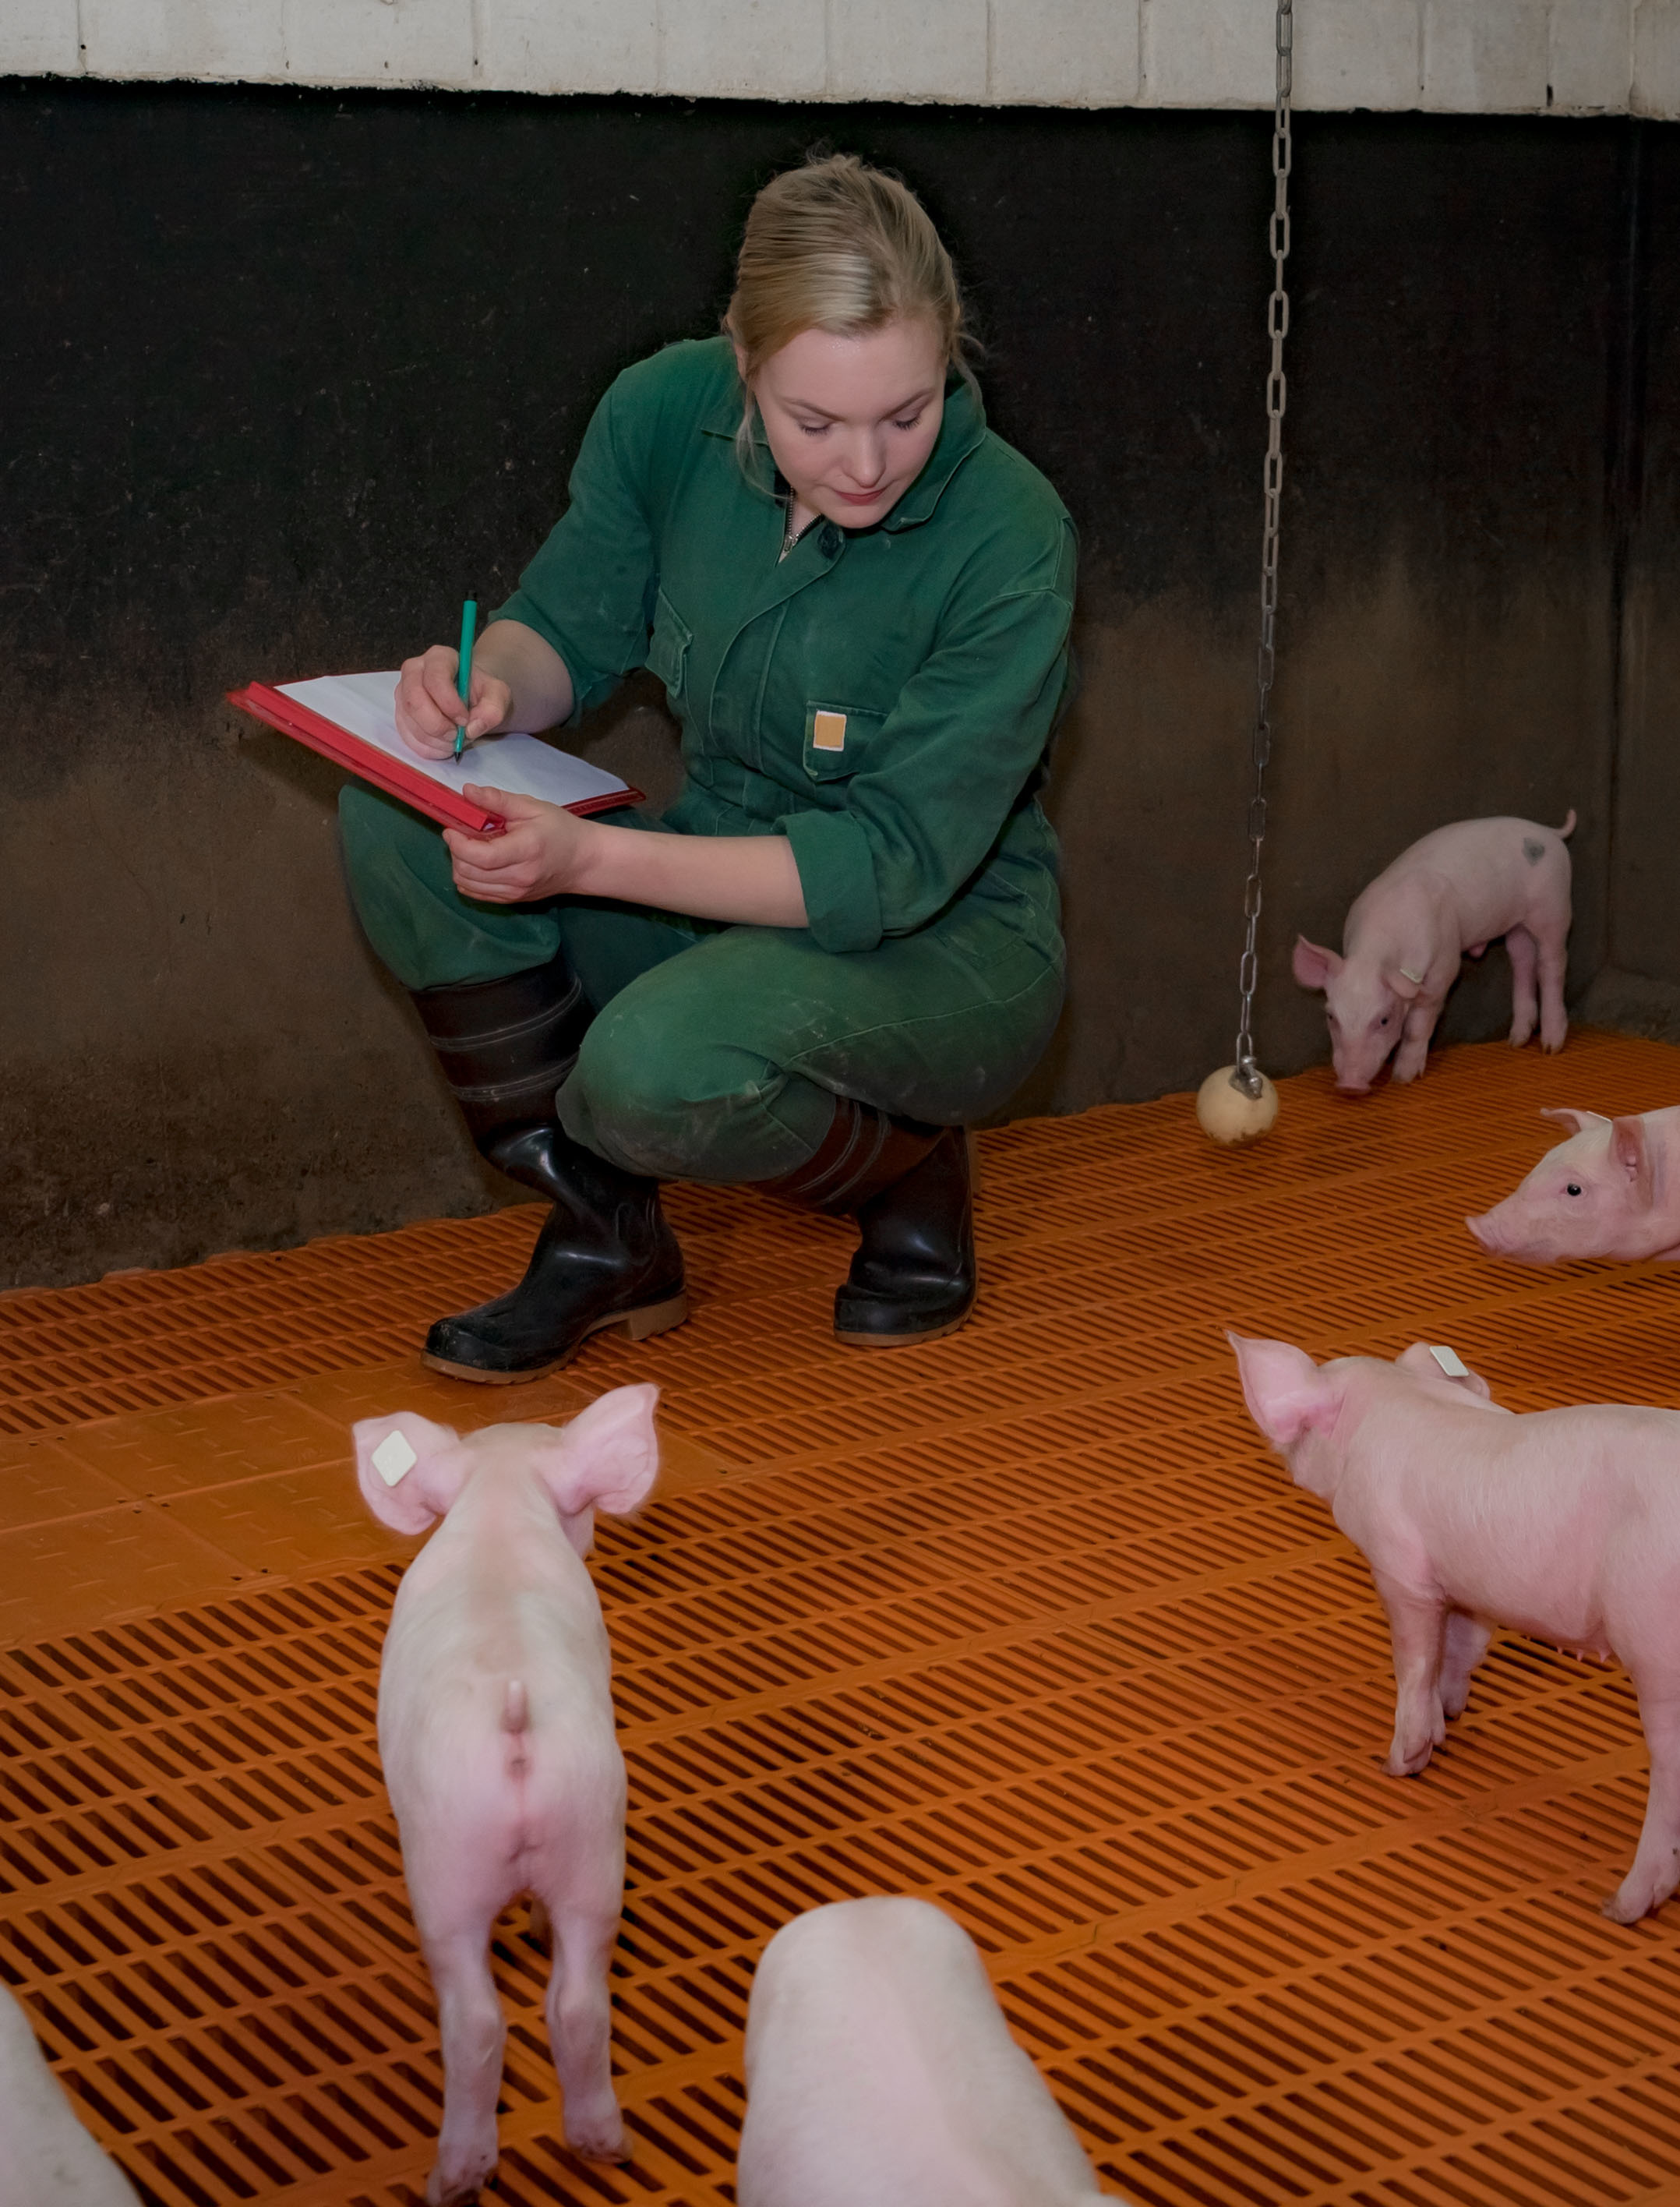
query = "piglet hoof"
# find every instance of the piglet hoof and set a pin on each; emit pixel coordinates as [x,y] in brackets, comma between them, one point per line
[1399,1764]
[1551,1043]
[1621,1911]
[1640,1893]
[601,2140]
[454,2181]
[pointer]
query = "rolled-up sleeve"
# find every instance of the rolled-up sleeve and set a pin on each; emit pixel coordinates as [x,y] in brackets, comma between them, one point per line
[945,769]
[589,590]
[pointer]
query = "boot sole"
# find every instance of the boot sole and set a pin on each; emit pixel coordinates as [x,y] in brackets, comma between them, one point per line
[902,1340]
[639,1324]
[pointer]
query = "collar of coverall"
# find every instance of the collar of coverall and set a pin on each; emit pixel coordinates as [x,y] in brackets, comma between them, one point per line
[960,432]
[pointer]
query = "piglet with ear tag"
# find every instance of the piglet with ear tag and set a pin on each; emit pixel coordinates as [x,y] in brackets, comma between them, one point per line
[1611,1190]
[1561,1523]
[497,1736]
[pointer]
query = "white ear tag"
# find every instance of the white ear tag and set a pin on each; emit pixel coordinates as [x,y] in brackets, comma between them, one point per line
[1449,1359]
[394,1458]
[1416,979]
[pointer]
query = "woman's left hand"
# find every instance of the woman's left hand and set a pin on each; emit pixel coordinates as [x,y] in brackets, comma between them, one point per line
[539,854]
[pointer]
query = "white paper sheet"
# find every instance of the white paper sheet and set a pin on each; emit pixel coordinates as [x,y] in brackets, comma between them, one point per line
[365,705]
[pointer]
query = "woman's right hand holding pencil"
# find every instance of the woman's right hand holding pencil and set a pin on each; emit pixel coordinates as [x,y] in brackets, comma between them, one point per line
[429,708]
[519,680]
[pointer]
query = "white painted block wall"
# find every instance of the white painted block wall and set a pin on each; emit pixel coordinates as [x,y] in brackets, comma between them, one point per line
[1455,56]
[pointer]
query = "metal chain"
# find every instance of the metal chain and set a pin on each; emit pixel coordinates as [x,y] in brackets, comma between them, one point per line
[1247,1075]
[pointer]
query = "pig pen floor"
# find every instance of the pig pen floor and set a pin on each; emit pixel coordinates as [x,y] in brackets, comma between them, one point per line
[1026,1621]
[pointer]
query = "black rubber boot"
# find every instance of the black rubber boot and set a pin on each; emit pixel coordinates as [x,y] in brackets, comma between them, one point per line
[606,1256]
[910,1188]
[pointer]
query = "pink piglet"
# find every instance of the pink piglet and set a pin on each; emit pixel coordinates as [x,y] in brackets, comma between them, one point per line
[881,2072]
[496,1732]
[1407,932]
[1564,1524]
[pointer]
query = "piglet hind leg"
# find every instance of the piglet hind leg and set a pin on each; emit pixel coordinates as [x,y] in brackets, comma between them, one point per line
[580,2032]
[1656,1864]
[1420,1723]
[1553,955]
[1525,1004]
[470,2022]
[1464,1642]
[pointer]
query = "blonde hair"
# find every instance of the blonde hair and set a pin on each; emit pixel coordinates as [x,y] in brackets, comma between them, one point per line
[836,245]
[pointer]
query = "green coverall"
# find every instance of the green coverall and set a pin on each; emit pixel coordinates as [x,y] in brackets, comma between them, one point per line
[882,697]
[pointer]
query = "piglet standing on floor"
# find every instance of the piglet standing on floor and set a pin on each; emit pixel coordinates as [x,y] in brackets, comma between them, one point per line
[1611,1190]
[881,2073]
[1406,934]
[495,1722]
[1564,1524]
[46,2158]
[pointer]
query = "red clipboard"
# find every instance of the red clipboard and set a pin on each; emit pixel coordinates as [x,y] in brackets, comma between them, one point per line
[370,764]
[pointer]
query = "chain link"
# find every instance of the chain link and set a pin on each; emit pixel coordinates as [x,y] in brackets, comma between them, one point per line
[1247,1075]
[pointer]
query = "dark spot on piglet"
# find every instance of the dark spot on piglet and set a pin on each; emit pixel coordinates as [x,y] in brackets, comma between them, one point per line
[1532,849]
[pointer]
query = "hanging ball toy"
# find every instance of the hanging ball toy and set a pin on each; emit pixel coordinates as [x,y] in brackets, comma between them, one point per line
[1238,1103]
[1228,1113]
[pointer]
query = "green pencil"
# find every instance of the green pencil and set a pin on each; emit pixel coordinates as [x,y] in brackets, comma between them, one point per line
[463,674]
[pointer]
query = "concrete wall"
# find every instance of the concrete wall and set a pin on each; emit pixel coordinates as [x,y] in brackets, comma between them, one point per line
[1449,57]
[288,369]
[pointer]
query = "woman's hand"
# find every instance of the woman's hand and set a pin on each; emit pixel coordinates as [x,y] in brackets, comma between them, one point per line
[430,709]
[545,850]
[539,854]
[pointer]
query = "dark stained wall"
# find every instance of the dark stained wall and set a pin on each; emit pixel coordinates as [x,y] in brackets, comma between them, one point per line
[285,373]
[1645,911]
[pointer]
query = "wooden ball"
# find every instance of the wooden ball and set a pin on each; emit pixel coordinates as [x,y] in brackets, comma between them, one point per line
[1227,1116]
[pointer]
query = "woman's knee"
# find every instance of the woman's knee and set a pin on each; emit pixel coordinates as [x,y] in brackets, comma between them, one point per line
[423,930]
[380,837]
[679,1107]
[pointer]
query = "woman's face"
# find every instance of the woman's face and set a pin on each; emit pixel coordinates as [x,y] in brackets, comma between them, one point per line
[851,421]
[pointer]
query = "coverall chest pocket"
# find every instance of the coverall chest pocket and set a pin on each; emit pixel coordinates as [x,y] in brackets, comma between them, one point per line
[839,738]
[668,651]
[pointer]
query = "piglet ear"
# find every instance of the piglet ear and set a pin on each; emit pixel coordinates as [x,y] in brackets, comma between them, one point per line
[1286,1393]
[1425,1363]
[1312,966]
[406,1469]
[607,1458]
[1632,1152]
[1576,1122]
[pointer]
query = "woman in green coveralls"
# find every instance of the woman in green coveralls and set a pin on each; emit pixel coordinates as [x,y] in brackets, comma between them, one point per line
[842,943]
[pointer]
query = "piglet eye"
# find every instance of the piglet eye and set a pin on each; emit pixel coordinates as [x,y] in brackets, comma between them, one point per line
[1384,1021]
[1574,1188]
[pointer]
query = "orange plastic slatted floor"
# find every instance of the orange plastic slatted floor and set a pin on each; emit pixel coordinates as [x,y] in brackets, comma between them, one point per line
[1024,1621]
